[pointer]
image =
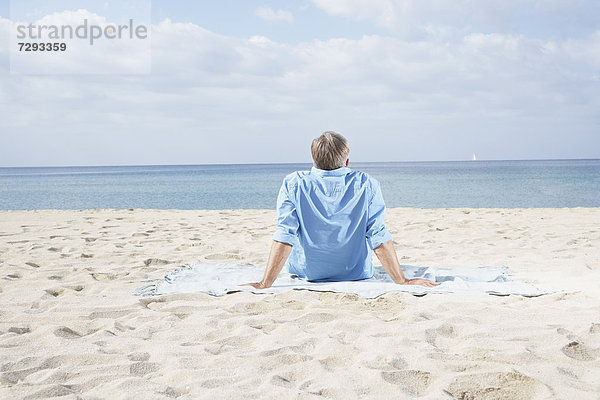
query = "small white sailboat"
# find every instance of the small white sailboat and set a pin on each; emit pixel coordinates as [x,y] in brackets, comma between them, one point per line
[474,157]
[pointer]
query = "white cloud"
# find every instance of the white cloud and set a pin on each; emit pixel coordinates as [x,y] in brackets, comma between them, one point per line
[415,19]
[216,98]
[269,14]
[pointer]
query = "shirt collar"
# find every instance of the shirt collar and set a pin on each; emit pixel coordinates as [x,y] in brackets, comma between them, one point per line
[334,172]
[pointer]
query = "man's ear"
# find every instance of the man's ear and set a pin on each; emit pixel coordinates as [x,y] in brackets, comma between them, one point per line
[347,161]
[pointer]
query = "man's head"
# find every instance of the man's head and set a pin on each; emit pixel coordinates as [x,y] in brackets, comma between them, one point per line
[330,151]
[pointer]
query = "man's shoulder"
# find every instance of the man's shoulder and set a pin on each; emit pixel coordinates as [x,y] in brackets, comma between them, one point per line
[365,179]
[360,176]
[295,177]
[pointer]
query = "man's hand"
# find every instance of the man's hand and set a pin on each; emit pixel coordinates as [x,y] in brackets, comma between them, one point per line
[387,255]
[418,281]
[256,285]
[277,257]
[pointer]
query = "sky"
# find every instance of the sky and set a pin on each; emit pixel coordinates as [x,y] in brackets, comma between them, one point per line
[255,81]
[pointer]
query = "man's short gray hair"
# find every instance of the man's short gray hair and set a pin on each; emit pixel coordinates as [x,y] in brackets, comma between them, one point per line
[330,151]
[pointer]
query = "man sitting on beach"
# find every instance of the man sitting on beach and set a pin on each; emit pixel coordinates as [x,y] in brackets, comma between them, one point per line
[329,219]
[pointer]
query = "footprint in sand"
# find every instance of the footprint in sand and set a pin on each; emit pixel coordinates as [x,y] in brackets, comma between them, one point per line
[383,363]
[140,234]
[216,349]
[568,372]
[293,305]
[173,393]
[66,333]
[411,382]
[155,261]
[250,308]
[152,302]
[139,356]
[122,327]
[315,317]
[444,330]
[291,359]
[236,341]
[279,380]
[327,393]
[19,330]
[54,292]
[332,363]
[579,351]
[110,314]
[398,363]
[53,391]
[105,276]
[218,382]
[494,385]
[13,377]
[263,327]
[230,255]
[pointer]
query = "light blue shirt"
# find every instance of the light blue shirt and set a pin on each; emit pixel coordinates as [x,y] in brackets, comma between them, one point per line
[333,219]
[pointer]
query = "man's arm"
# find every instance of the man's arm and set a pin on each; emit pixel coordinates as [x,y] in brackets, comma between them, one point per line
[286,232]
[380,240]
[388,258]
[277,257]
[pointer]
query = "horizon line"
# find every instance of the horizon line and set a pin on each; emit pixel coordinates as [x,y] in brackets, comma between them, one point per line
[292,163]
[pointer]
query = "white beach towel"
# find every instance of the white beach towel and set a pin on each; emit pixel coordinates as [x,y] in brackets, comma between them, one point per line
[220,279]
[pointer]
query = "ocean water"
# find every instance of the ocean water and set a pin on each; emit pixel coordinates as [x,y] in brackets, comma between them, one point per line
[506,184]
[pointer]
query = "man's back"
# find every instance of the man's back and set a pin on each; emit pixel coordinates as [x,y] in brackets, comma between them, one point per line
[329,219]
[333,219]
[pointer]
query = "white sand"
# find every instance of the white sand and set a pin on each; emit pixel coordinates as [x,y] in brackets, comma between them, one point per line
[70,327]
